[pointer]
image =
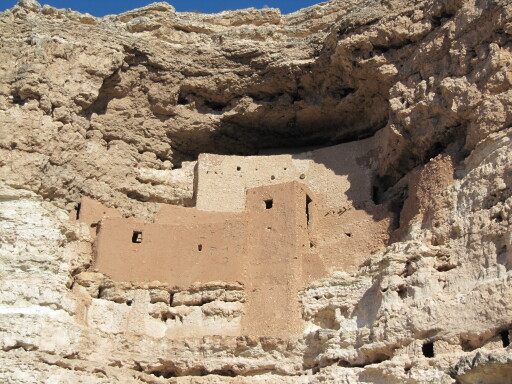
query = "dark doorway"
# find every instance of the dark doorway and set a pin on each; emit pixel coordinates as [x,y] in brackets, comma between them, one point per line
[428,349]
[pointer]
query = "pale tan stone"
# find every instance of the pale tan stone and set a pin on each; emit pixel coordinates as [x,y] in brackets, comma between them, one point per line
[414,96]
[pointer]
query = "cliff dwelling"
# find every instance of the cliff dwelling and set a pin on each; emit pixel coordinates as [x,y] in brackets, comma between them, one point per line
[257,197]
[273,223]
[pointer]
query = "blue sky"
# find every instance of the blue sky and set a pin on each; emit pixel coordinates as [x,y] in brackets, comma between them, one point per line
[105,7]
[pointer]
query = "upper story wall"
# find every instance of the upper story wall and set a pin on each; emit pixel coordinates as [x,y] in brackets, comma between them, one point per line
[176,215]
[91,211]
[340,174]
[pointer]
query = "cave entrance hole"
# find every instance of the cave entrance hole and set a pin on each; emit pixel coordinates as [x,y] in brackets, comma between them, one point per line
[78,208]
[505,338]
[428,349]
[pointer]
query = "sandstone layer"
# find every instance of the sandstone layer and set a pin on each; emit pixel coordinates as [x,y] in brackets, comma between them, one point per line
[119,108]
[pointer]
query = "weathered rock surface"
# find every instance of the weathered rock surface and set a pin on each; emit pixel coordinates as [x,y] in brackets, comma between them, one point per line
[112,107]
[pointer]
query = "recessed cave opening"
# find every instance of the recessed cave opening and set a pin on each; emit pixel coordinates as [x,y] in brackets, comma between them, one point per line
[505,338]
[166,374]
[269,203]
[428,349]
[498,218]
[396,207]
[445,267]
[309,106]
[275,128]
[164,316]
[182,100]
[442,18]
[390,185]
[402,292]
[375,195]
[502,256]
[77,209]
[214,106]
[384,191]
[16,99]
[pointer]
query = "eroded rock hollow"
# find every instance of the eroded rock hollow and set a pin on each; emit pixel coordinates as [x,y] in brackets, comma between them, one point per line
[319,197]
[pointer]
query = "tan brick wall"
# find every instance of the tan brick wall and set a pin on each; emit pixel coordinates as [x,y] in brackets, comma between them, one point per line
[261,247]
[341,174]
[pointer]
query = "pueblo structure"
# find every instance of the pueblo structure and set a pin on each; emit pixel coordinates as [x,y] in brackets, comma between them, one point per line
[256,221]
[316,197]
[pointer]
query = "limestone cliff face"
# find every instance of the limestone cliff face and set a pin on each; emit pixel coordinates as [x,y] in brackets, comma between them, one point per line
[118,108]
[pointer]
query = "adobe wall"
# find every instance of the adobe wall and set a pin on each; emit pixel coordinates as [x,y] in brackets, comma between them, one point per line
[235,234]
[263,247]
[176,254]
[177,215]
[278,237]
[343,239]
[341,174]
[349,226]
[425,186]
[91,211]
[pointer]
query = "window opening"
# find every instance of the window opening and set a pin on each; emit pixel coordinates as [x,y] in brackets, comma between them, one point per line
[308,202]
[199,247]
[269,204]
[402,292]
[428,349]
[137,237]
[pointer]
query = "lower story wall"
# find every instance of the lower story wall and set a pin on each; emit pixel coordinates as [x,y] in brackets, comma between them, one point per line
[132,250]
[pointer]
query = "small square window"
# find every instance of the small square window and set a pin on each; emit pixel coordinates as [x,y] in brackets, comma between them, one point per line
[269,204]
[137,237]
